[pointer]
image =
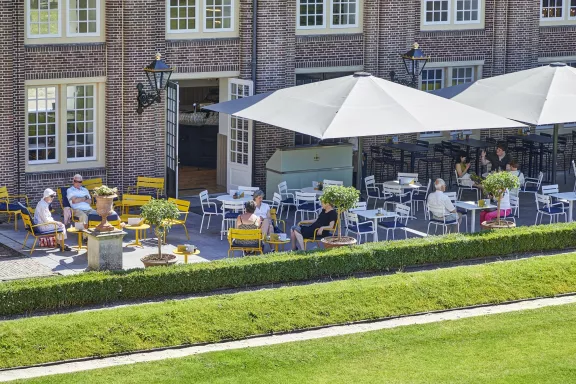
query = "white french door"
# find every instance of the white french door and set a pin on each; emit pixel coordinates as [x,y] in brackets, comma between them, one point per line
[239,139]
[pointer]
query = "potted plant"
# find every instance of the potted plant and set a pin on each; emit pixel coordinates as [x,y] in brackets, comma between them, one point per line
[159,214]
[104,201]
[496,185]
[341,199]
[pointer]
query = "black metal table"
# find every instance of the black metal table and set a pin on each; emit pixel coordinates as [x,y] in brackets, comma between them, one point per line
[473,143]
[413,148]
[534,139]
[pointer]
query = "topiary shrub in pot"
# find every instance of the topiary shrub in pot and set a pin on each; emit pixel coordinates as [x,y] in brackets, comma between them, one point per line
[341,199]
[159,214]
[496,184]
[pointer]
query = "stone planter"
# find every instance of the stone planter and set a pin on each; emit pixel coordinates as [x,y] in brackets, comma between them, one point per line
[153,260]
[104,206]
[334,242]
[488,225]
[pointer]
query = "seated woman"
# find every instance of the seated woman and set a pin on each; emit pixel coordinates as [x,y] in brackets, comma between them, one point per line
[248,220]
[462,167]
[515,171]
[505,209]
[263,212]
[325,222]
[42,215]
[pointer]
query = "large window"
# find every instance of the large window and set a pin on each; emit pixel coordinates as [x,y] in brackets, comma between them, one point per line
[551,9]
[462,75]
[554,12]
[190,19]
[218,15]
[437,11]
[239,128]
[182,16]
[312,14]
[42,111]
[43,18]
[467,11]
[452,14]
[432,79]
[81,122]
[83,17]
[344,13]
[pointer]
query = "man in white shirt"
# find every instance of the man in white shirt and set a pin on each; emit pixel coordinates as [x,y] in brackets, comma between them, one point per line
[440,205]
[42,215]
[80,200]
[263,212]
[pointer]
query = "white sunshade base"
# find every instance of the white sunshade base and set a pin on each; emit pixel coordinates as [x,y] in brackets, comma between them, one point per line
[539,96]
[362,105]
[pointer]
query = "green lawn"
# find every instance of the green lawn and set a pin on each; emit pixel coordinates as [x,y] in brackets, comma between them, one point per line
[536,346]
[235,316]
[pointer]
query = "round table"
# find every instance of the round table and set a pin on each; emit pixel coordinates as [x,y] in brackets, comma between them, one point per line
[186,254]
[277,243]
[394,183]
[137,229]
[80,232]
[230,198]
[312,190]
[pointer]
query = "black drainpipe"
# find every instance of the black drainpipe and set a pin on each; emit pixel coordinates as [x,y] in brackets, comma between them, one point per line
[254,65]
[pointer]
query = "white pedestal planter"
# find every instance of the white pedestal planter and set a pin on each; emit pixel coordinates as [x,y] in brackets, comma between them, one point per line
[105,250]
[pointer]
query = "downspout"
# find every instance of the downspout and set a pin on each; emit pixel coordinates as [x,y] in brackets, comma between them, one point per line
[254,66]
[122,102]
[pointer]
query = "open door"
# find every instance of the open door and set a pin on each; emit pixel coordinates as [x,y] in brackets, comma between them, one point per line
[172,101]
[239,139]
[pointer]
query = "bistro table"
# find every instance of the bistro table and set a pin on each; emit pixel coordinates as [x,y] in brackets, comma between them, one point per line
[534,139]
[312,190]
[473,206]
[224,198]
[413,148]
[568,196]
[373,215]
[473,143]
[395,183]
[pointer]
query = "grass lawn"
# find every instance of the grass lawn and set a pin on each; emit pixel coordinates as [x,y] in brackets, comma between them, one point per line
[536,346]
[235,316]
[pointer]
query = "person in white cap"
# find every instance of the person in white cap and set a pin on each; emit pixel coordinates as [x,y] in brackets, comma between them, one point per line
[43,215]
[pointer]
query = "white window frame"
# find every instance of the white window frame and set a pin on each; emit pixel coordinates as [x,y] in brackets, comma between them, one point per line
[76,34]
[196,17]
[568,6]
[40,36]
[232,17]
[479,10]
[338,26]
[429,134]
[464,67]
[94,121]
[324,13]
[57,131]
[448,12]
[563,8]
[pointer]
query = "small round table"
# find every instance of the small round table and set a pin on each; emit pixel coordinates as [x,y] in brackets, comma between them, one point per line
[186,254]
[79,232]
[137,229]
[277,243]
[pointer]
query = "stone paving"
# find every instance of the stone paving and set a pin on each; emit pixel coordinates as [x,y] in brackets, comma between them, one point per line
[13,265]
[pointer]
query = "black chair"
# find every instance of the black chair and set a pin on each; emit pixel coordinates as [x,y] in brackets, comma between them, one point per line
[519,151]
[429,162]
[375,159]
[389,162]
[451,151]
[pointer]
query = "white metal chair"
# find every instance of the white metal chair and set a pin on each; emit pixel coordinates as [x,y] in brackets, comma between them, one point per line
[515,208]
[372,191]
[359,228]
[287,198]
[208,208]
[544,206]
[327,183]
[400,221]
[421,196]
[531,184]
[555,202]
[306,203]
[404,175]
[453,199]
[395,195]
[360,206]
[230,212]
[462,187]
[442,223]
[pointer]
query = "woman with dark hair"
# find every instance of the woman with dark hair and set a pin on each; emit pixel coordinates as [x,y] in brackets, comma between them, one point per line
[322,226]
[462,167]
[248,220]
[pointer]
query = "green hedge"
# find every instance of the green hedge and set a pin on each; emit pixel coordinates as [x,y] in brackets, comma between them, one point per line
[25,296]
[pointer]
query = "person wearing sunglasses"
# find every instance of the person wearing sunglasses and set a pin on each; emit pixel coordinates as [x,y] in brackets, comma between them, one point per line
[80,200]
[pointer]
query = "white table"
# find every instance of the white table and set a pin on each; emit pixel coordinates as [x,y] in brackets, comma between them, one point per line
[372,214]
[395,183]
[570,197]
[223,198]
[312,190]
[472,206]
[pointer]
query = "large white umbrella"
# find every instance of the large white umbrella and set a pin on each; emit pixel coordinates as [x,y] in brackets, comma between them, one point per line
[539,96]
[359,105]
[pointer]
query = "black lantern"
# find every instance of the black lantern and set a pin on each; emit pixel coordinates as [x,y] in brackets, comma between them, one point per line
[158,74]
[414,62]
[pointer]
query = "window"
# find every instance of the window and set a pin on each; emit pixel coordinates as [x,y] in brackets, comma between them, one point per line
[83,17]
[43,18]
[344,13]
[572,10]
[467,11]
[42,146]
[551,9]
[432,79]
[557,12]
[64,124]
[239,128]
[183,16]
[437,11]
[218,15]
[311,14]
[462,75]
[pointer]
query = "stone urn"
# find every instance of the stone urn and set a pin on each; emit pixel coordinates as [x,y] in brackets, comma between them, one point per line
[335,242]
[503,224]
[104,206]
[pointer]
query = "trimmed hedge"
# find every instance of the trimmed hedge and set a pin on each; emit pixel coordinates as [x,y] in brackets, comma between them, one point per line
[41,294]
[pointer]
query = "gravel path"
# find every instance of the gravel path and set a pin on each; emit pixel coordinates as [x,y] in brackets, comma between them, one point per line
[90,364]
[14,265]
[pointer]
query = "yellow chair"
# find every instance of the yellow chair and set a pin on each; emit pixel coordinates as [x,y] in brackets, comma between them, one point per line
[37,234]
[9,206]
[317,240]
[184,208]
[132,201]
[90,184]
[154,183]
[254,235]
[275,221]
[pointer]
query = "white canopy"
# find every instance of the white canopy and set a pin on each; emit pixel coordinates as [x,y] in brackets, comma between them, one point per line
[359,105]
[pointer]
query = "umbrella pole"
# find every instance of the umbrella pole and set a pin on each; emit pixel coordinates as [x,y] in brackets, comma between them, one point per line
[360,155]
[554,152]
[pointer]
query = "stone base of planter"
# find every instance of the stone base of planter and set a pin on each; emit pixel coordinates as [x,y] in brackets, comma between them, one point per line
[487,225]
[152,261]
[334,242]
[105,250]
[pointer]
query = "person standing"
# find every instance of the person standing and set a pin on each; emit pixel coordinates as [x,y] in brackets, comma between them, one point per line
[42,215]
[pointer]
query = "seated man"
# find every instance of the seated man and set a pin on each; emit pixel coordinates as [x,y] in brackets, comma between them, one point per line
[43,215]
[440,205]
[500,160]
[80,200]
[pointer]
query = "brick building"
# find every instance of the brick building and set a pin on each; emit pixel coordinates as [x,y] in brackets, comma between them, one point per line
[71,68]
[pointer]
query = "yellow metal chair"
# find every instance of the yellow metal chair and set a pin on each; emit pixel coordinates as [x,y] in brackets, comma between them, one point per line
[9,205]
[314,239]
[254,235]
[32,229]
[184,208]
[90,184]
[275,221]
[132,201]
[154,183]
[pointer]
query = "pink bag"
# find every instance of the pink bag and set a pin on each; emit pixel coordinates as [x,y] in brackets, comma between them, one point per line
[48,242]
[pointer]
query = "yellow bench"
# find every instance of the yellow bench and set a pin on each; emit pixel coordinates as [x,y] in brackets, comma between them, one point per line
[9,206]
[154,183]
[132,201]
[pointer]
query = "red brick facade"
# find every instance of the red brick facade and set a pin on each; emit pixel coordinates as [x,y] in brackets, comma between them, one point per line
[135,30]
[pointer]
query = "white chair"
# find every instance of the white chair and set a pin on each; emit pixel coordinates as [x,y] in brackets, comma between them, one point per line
[372,191]
[453,199]
[442,223]
[544,206]
[208,208]
[555,202]
[360,206]
[404,175]
[306,203]
[396,195]
[327,183]
[574,169]
[253,189]
[515,208]
[364,228]
[247,193]
[230,212]
[400,221]
[531,184]
[462,187]
[287,198]
[421,196]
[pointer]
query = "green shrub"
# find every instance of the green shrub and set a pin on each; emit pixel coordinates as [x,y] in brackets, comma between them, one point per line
[25,296]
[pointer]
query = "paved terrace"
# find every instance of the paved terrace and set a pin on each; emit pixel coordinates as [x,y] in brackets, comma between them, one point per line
[52,261]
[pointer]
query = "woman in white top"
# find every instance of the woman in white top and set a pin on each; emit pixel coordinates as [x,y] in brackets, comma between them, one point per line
[43,215]
[263,212]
